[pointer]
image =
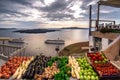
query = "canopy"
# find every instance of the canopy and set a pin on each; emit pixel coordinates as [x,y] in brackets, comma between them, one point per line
[113,3]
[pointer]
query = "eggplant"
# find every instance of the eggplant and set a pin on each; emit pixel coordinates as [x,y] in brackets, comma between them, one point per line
[36,66]
[41,71]
[32,74]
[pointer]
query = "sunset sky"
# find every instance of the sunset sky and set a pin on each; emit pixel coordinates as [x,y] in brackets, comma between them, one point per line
[51,13]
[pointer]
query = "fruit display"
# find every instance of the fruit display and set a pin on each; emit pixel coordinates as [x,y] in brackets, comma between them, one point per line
[36,66]
[97,57]
[75,69]
[106,69]
[21,69]
[94,66]
[10,67]
[116,63]
[86,70]
[48,73]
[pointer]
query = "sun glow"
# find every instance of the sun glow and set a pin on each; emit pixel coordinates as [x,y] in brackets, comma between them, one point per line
[48,2]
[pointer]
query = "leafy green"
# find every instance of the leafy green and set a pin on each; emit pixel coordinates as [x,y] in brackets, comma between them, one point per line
[52,60]
[64,69]
[61,76]
[62,65]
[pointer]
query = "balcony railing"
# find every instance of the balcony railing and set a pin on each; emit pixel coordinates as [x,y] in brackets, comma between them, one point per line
[7,51]
[106,26]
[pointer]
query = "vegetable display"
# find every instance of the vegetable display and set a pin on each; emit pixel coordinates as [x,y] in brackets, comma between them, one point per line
[9,68]
[106,69]
[62,62]
[21,69]
[48,73]
[75,69]
[36,67]
[94,66]
[103,67]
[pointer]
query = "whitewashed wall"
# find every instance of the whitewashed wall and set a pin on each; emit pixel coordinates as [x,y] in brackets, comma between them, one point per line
[105,43]
[91,44]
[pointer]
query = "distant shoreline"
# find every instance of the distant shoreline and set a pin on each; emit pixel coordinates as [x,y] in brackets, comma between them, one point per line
[74,28]
[7,28]
[41,30]
[46,30]
[35,31]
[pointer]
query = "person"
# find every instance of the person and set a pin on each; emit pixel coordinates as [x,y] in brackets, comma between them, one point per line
[57,48]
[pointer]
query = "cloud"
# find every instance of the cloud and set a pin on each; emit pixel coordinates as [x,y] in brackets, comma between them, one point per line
[39,12]
[55,6]
[59,16]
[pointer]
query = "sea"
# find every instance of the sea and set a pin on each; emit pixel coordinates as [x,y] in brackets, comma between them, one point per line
[35,43]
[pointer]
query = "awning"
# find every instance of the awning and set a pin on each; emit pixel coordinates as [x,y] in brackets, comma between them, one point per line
[113,3]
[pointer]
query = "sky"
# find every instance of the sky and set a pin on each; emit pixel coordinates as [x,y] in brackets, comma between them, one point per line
[51,13]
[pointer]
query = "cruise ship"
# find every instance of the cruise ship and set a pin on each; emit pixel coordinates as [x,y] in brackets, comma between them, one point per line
[55,41]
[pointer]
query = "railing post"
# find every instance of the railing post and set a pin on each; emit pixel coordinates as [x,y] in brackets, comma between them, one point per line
[98,11]
[95,24]
[114,22]
[90,21]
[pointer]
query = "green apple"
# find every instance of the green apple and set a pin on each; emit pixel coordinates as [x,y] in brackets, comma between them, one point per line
[105,60]
[90,67]
[89,73]
[85,77]
[94,74]
[81,77]
[88,78]
[92,77]
[99,62]
[96,78]
[80,74]
[96,61]
[85,73]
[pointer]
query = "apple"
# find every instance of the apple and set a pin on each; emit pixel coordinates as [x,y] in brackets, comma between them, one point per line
[89,73]
[81,77]
[92,77]
[96,78]
[97,58]
[86,70]
[88,77]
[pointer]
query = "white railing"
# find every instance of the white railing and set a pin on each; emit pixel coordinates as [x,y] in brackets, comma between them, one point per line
[9,50]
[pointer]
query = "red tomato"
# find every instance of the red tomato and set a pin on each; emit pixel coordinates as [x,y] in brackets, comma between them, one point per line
[0,75]
[7,76]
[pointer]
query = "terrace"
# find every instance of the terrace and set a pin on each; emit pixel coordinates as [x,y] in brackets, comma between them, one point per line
[104,26]
[106,36]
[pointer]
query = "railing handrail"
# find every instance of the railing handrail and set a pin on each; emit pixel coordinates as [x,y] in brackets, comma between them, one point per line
[104,20]
[12,46]
[7,51]
[17,51]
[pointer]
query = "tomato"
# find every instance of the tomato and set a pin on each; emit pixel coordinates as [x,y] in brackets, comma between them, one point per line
[0,75]
[4,74]
[13,71]
[7,76]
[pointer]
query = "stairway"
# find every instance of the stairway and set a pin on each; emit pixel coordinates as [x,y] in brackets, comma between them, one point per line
[112,51]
